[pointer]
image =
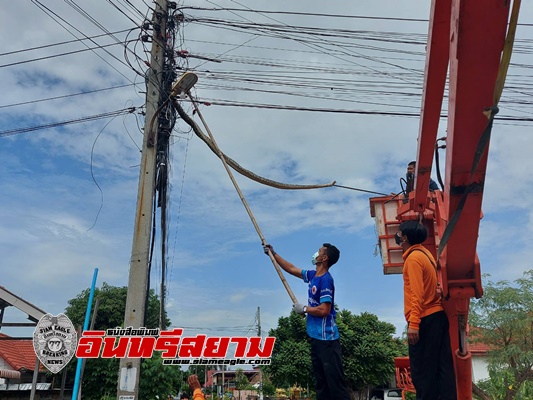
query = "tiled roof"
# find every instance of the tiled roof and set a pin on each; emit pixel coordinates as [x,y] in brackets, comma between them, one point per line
[478,348]
[17,353]
[475,346]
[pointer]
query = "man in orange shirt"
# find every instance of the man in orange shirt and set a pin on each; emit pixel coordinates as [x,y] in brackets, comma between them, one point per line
[430,352]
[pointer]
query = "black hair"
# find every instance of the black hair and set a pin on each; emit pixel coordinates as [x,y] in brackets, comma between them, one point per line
[413,163]
[333,253]
[184,396]
[416,232]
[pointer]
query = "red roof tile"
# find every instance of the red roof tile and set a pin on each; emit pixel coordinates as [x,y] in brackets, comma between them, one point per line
[17,353]
[478,348]
[475,345]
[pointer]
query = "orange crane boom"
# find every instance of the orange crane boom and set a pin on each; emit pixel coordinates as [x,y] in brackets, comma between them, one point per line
[465,49]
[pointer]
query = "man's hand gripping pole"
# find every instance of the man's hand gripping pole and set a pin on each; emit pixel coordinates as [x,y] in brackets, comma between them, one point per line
[278,269]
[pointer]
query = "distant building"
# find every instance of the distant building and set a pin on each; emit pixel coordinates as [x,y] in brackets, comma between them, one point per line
[480,359]
[17,365]
[18,360]
[224,381]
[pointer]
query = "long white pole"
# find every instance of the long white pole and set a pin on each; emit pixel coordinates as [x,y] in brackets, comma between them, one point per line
[243,199]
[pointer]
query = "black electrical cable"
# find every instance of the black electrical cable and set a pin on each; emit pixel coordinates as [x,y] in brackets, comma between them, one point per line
[15,131]
[56,18]
[60,43]
[58,55]
[65,96]
[437,163]
[305,14]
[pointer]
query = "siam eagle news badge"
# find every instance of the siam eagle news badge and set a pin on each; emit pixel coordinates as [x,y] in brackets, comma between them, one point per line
[55,341]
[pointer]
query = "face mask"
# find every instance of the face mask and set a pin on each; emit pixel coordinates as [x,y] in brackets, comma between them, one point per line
[398,240]
[313,259]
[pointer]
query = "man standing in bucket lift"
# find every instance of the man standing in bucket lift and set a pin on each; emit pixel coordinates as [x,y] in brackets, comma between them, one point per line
[410,177]
[326,357]
[430,353]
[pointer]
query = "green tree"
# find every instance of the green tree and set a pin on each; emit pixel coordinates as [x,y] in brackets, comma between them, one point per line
[368,350]
[101,375]
[267,387]
[158,380]
[111,307]
[291,359]
[503,320]
[241,381]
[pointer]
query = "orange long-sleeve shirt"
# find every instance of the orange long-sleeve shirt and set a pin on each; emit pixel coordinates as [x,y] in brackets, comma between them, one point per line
[420,295]
[198,395]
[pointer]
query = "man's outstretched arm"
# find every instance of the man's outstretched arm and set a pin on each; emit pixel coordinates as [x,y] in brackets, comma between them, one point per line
[284,264]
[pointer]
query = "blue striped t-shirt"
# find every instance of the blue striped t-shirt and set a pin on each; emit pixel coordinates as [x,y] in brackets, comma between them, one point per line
[321,290]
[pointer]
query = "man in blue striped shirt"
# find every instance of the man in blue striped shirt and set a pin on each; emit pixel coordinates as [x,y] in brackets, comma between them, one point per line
[326,354]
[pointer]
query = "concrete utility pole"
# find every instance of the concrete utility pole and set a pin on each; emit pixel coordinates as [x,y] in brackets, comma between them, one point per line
[130,368]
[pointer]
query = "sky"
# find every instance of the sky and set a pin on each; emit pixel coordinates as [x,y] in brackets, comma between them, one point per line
[68,193]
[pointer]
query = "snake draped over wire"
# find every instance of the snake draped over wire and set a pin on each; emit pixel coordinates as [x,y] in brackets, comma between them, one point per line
[233,164]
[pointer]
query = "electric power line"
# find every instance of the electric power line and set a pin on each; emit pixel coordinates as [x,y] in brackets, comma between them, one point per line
[111,114]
